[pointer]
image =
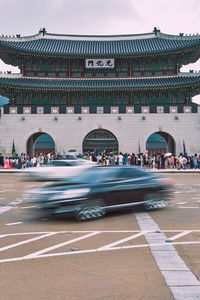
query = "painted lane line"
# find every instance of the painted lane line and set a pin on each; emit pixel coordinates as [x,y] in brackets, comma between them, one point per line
[26,241]
[181,202]
[177,236]
[3,198]
[3,235]
[188,207]
[177,192]
[171,264]
[62,244]
[167,245]
[102,231]
[28,233]
[97,250]
[4,209]
[121,241]
[16,223]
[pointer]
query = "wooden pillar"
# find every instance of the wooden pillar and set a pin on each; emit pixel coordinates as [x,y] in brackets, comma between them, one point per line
[130,68]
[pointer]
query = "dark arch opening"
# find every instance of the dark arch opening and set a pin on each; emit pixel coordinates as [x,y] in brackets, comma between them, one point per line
[40,142]
[160,142]
[100,140]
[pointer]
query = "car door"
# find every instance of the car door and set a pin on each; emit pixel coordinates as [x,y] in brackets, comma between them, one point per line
[128,187]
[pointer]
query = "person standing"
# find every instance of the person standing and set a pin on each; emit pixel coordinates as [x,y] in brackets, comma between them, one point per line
[132,159]
[172,161]
[6,164]
[33,161]
[195,159]
[1,161]
[49,158]
[120,159]
[41,160]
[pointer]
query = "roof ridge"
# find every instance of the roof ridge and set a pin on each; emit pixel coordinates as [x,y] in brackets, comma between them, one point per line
[181,36]
[43,34]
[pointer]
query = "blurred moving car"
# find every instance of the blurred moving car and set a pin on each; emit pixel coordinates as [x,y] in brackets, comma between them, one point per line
[98,190]
[58,169]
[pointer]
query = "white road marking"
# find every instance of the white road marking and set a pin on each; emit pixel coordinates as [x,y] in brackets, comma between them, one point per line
[26,241]
[121,241]
[62,244]
[2,198]
[175,237]
[170,261]
[96,250]
[4,209]
[181,202]
[188,207]
[16,223]
[156,241]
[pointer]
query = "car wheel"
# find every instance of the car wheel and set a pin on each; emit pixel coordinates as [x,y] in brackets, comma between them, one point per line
[91,210]
[153,201]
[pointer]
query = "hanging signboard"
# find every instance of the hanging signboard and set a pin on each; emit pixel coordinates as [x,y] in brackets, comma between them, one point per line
[105,63]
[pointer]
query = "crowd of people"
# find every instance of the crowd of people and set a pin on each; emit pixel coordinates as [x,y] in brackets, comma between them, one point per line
[154,161]
[25,161]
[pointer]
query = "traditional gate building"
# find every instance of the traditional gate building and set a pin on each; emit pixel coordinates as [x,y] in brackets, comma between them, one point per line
[100,92]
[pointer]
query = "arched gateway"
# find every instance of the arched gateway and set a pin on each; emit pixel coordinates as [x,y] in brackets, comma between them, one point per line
[68,80]
[160,142]
[40,142]
[100,140]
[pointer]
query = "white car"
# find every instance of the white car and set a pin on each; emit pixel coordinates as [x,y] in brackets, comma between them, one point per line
[58,169]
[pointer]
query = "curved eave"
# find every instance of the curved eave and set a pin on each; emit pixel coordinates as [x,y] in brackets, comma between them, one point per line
[99,84]
[82,49]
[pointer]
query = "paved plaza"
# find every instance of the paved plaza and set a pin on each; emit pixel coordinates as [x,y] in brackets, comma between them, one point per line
[129,255]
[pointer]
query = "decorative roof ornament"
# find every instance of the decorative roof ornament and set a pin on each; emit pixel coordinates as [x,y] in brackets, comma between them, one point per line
[156,30]
[43,31]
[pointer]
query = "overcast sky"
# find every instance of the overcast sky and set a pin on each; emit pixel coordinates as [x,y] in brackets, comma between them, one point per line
[26,17]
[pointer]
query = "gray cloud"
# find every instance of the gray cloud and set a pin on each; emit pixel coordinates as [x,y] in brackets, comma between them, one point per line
[65,16]
[99,17]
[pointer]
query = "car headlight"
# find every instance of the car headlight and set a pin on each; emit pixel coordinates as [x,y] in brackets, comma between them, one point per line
[70,194]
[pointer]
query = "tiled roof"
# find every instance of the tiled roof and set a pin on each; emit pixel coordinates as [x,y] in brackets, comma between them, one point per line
[74,45]
[98,84]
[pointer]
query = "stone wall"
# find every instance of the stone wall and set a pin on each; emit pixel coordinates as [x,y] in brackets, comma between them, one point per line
[69,130]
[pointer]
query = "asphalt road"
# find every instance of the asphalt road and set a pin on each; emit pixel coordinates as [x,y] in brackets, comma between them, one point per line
[129,255]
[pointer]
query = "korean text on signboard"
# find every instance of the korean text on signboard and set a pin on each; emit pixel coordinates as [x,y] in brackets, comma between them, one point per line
[100,63]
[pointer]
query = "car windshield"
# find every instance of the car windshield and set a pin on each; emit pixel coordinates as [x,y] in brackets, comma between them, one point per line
[94,175]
